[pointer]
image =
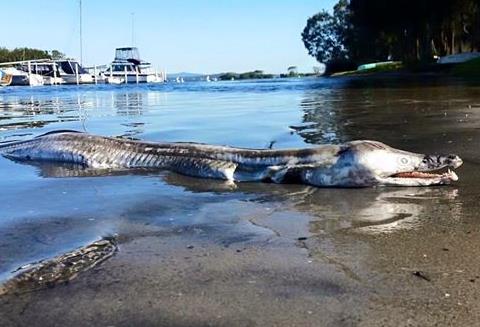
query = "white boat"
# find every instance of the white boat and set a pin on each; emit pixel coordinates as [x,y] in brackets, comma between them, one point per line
[114,80]
[128,66]
[44,72]
[47,80]
[46,69]
[12,76]
[73,73]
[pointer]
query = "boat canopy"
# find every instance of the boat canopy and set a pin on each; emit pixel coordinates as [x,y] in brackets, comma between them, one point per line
[68,66]
[42,68]
[126,54]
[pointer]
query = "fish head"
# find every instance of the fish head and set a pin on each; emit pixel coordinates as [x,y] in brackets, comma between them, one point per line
[390,166]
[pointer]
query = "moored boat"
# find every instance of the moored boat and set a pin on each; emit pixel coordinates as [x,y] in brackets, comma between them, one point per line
[14,77]
[127,67]
[46,69]
[73,73]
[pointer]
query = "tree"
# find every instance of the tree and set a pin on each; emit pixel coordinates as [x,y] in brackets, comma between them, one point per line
[321,38]
[57,55]
[327,37]
[19,54]
[319,70]
[292,71]
[412,30]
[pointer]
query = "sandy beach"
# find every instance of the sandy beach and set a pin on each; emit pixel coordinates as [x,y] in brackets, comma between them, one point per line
[274,266]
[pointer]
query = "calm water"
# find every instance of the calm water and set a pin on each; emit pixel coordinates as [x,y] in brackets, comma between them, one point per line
[43,213]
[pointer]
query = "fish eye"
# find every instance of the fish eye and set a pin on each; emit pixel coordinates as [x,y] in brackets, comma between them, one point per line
[404,161]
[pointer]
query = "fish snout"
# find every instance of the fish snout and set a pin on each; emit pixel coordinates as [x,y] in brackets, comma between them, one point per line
[453,161]
[432,162]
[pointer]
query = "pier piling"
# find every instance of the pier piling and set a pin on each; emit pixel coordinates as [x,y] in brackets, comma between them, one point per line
[29,73]
[76,74]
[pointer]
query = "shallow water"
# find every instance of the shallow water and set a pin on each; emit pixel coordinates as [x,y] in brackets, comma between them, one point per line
[44,213]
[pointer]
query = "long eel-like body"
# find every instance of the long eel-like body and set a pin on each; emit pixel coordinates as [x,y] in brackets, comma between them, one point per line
[352,164]
[194,159]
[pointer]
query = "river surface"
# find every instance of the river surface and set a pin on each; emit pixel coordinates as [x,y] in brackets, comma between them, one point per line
[45,211]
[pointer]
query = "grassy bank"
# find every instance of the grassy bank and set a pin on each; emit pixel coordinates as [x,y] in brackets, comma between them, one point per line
[469,69]
[379,68]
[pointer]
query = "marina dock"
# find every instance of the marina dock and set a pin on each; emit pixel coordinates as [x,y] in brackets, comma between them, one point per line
[127,67]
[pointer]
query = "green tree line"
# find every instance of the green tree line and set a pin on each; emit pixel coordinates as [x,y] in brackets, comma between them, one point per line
[360,31]
[257,74]
[19,54]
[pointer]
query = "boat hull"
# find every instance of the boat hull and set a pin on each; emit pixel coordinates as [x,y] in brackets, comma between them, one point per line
[82,79]
[117,78]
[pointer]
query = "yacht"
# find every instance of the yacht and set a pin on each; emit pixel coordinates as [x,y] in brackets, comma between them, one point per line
[47,70]
[43,72]
[60,72]
[11,76]
[72,72]
[127,67]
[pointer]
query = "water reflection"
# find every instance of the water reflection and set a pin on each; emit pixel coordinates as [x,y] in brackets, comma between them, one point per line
[394,116]
[32,111]
[369,210]
[321,120]
[381,210]
[128,103]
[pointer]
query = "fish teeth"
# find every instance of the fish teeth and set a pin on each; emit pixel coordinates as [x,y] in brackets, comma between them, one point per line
[453,176]
[450,174]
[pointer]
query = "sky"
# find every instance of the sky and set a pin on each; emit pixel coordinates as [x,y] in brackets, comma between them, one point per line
[199,36]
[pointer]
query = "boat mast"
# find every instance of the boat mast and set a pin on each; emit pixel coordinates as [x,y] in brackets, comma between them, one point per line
[133,29]
[81,40]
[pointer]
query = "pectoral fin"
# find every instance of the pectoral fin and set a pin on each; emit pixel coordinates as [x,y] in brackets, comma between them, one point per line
[206,168]
[289,173]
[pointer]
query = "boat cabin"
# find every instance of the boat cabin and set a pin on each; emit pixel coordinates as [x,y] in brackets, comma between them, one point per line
[70,67]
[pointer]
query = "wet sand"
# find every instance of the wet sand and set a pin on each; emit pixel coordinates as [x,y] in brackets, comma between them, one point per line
[277,266]
[195,252]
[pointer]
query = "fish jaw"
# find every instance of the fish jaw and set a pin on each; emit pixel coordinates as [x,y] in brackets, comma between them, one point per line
[426,173]
[420,179]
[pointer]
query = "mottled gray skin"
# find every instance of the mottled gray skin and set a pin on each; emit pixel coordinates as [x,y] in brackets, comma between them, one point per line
[353,164]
